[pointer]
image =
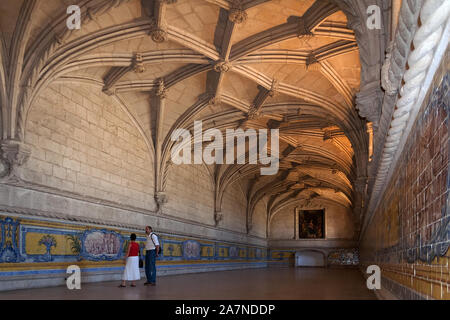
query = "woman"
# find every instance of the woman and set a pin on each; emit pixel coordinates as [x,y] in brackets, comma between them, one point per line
[131,272]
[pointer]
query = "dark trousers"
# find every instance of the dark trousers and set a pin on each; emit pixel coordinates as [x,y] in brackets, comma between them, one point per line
[150,265]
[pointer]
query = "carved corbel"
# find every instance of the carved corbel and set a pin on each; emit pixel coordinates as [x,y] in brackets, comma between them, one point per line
[14,154]
[218,216]
[161,199]
[386,83]
[368,103]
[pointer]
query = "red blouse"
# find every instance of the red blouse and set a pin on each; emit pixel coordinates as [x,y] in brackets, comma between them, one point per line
[134,249]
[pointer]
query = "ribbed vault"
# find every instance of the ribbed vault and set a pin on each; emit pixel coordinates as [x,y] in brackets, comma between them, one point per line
[286,64]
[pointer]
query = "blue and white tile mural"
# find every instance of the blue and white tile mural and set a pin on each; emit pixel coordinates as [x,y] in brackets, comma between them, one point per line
[9,244]
[42,244]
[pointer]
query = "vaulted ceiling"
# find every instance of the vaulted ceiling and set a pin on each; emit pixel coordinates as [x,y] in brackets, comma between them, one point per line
[293,65]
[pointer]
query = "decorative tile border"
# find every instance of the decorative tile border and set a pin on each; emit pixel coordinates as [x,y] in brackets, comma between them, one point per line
[34,246]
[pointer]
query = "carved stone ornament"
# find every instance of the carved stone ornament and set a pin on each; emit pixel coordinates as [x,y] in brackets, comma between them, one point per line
[161,91]
[158,33]
[217,217]
[4,168]
[368,102]
[13,154]
[253,113]
[385,81]
[138,64]
[222,66]
[237,13]
[161,198]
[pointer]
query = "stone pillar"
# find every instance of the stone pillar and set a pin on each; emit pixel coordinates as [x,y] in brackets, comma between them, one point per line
[161,94]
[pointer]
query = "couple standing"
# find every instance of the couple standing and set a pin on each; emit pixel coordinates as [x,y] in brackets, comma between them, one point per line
[152,249]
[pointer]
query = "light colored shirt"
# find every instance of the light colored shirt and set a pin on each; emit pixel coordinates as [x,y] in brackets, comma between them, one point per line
[150,245]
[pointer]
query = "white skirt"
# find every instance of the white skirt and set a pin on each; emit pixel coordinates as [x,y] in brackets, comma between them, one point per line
[131,272]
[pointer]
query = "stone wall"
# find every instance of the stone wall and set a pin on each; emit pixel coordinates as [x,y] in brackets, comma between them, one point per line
[338,223]
[233,208]
[83,143]
[409,234]
[337,248]
[190,193]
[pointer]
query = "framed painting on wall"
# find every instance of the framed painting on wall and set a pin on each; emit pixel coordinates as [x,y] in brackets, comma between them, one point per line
[312,224]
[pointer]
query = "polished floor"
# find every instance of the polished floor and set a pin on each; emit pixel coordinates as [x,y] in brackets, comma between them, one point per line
[257,284]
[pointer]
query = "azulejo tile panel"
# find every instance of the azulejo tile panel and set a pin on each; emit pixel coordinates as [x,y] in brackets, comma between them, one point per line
[409,235]
[335,256]
[344,257]
[31,244]
[9,248]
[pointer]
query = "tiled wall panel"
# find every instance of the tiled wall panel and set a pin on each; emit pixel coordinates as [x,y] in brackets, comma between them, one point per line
[409,235]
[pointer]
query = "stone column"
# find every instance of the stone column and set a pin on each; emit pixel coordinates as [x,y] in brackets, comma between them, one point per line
[161,94]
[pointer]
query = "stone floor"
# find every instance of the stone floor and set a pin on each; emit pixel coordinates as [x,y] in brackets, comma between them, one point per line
[258,284]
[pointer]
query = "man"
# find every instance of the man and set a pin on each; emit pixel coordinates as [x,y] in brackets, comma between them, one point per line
[151,252]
